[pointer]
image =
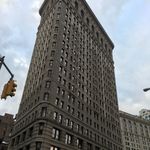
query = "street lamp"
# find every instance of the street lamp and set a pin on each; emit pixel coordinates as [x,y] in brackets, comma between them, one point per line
[146,89]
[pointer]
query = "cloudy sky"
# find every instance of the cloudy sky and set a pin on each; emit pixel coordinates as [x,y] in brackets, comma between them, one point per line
[127,22]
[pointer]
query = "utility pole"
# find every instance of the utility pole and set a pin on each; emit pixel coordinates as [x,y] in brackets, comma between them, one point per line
[10,86]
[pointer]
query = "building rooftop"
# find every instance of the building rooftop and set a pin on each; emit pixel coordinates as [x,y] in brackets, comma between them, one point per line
[133,117]
[93,15]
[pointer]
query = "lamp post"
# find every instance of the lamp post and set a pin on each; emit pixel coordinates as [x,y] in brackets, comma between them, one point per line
[146,89]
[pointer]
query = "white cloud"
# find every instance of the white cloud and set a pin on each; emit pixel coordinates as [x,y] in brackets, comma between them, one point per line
[21,62]
[17,35]
[5,3]
[108,11]
[35,8]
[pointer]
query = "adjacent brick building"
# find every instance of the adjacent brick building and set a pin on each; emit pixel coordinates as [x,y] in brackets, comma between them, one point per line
[69,100]
[6,125]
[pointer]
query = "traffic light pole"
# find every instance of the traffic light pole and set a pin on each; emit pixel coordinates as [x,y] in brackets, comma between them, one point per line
[3,63]
[1,59]
[10,86]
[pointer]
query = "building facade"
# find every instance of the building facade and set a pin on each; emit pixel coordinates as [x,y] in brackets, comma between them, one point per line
[69,100]
[135,132]
[6,126]
[145,114]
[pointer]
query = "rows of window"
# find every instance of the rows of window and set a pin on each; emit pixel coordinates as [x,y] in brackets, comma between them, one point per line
[26,135]
[135,128]
[66,121]
[65,80]
[61,60]
[80,106]
[22,137]
[80,143]
[38,61]
[94,80]
[69,139]
[71,87]
[134,140]
[73,125]
[87,21]
[79,84]
[38,52]
[135,134]
[30,118]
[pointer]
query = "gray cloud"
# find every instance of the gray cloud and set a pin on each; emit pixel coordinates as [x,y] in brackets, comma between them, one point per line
[108,11]
[17,35]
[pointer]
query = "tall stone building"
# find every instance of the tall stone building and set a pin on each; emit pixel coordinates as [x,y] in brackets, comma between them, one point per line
[135,132]
[69,100]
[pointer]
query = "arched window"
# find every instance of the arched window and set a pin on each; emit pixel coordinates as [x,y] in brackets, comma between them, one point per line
[48,84]
[43,111]
[106,46]
[82,13]
[46,96]
[87,21]
[41,128]
[76,5]
[97,35]
[102,42]
[92,28]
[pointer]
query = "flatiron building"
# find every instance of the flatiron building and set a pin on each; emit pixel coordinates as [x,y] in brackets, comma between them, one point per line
[69,100]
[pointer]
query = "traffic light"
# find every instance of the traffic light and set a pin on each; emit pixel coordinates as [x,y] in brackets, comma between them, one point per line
[4,93]
[11,89]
